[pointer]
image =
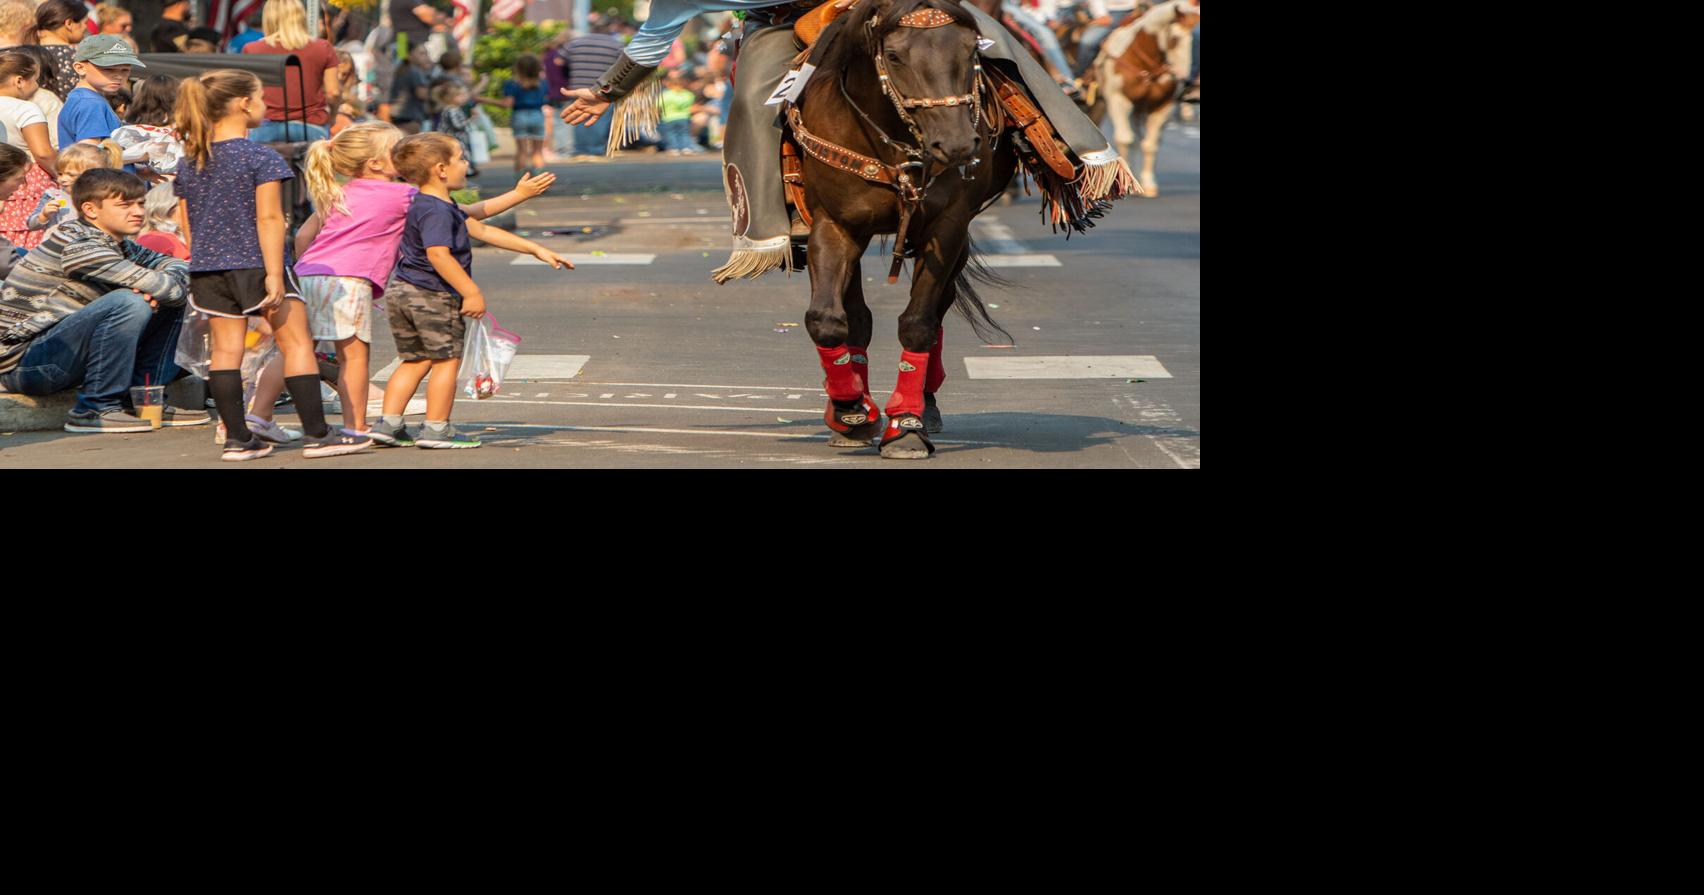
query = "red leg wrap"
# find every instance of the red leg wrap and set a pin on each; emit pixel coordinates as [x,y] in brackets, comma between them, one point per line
[861,363]
[937,370]
[843,381]
[908,393]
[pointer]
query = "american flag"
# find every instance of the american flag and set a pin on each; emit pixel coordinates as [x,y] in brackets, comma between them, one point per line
[226,16]
[507,9]
[461,27]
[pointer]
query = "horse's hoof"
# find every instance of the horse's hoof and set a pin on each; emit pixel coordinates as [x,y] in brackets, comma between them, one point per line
[855,426]
[932,416]
[1151,189]
[905,439]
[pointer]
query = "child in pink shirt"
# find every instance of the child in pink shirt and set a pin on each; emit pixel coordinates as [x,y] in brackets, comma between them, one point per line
[346,250]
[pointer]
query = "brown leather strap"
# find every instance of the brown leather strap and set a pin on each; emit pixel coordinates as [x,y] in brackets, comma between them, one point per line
[1022,114]
[793,173]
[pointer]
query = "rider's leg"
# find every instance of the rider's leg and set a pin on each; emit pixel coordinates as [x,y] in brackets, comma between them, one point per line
[751,155]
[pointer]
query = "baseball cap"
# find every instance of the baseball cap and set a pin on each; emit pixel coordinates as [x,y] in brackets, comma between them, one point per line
[106,50]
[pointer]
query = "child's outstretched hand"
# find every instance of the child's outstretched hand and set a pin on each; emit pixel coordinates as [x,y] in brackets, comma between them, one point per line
[529,186]
[554,260]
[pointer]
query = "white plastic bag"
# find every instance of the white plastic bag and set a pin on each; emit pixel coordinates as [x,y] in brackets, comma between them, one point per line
[478,152]
[195,344]
[486,356]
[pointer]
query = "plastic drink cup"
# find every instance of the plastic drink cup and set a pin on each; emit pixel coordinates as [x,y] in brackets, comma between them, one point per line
[150,403]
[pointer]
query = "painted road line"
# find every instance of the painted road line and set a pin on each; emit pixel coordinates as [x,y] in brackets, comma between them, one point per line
[743,388]
[1021,261]
[586,260]
[1128,366]
[1003,247]
[807,436]
[616,222]
[526,366]
[1161,424]
[499,399]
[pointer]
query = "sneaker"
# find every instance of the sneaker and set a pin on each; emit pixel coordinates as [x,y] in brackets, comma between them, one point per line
[449,438]
[106,422]
[385,436]
[334,444]
[270,431]
[253,449]
[183,416]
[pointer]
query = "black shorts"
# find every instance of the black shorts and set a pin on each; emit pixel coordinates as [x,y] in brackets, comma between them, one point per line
[233,293]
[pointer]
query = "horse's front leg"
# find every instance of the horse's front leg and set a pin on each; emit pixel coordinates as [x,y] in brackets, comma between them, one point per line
[932,275]
[851,416]
[1151,129]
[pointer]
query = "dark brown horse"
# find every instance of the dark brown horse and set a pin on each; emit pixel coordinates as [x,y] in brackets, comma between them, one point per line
[901,135]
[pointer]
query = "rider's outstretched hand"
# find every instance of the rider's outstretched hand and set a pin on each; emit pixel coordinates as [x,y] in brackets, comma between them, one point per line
[587,108]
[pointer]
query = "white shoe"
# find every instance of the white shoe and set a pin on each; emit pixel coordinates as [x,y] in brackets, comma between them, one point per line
[270,431]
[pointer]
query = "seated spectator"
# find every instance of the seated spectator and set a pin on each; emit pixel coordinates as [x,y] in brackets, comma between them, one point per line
[55,205]
[17,23]
[160,230]
[202,40]
[114,19]
[156,98]
[251,31]
[90,308]
[287,34]
[59,27]
[168,37]
[14,164]
[46,100]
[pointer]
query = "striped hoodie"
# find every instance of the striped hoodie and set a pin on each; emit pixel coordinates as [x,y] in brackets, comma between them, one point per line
[76,264]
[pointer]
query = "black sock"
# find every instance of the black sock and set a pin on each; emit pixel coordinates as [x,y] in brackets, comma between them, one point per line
[305,392]
[329,372]
[226,387]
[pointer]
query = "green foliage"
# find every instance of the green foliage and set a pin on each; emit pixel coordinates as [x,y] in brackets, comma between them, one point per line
[468,196]
[497,49]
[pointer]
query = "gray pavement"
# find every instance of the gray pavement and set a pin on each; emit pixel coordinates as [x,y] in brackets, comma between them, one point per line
[653,365]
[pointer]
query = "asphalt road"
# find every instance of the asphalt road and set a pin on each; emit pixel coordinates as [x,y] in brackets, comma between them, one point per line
[648,363]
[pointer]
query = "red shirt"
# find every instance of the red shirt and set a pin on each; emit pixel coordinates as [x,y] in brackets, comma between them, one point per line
[316,57]
[164,243]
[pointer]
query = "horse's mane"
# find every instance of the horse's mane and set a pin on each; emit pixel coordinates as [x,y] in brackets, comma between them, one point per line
[853,40]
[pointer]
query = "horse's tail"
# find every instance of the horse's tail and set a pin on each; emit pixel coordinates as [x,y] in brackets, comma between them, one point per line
[969,303]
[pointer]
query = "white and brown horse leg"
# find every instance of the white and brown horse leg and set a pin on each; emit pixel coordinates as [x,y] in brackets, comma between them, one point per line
[852,419]
[1152,127]
[1121,110]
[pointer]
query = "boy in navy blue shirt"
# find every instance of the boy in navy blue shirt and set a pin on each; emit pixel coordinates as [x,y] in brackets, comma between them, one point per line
[434,289]
[103,63]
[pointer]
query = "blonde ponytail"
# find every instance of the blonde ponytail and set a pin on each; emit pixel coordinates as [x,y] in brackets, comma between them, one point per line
[330,162]
[202,102]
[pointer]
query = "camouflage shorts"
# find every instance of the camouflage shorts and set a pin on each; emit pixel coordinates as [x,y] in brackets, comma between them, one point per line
[427,325]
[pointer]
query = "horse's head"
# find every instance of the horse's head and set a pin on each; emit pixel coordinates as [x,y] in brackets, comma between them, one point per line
[927,51]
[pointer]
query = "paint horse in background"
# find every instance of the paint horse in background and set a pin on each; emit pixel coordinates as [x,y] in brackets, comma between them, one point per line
[1139,72]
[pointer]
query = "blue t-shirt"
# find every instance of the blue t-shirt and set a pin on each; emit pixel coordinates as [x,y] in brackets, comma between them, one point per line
[244,39]
[86,115]
[525,97]
[221,203]
[432,222]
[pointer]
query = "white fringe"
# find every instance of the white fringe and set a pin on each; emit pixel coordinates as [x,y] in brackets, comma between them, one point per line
[1108,180]
[752,263]
[635,115]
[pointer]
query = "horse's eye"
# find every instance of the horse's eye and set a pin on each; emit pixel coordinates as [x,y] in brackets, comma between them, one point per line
[892,56]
